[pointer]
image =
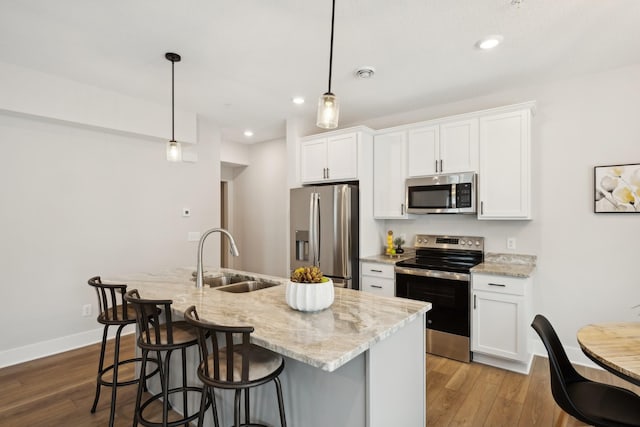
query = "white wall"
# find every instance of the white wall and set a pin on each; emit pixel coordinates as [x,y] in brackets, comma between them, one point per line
[587,263]
[261,213]
[78,202]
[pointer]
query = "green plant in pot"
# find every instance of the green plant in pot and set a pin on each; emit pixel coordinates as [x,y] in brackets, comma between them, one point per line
[399,241]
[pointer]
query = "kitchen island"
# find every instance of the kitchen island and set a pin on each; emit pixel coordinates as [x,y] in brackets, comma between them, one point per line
[361,362]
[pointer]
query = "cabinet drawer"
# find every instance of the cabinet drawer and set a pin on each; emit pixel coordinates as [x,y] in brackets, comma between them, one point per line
[500,284]
[376,269]
[380,286]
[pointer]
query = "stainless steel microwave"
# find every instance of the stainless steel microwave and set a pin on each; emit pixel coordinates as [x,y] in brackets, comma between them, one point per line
[441,194]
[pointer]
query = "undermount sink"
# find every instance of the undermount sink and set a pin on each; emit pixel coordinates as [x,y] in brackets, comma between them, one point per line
[223,280]
[247,286]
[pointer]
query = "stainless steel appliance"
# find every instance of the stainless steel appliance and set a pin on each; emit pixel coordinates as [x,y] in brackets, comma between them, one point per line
[446,193]
[324,231]
[439,274]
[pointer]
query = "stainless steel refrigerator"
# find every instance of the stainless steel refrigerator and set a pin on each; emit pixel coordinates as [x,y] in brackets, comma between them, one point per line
[324,231]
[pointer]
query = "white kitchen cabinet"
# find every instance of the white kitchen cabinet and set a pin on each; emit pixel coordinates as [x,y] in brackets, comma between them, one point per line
[500,318]
[389,175]
[378,278]
[444,148]
[332,158]
[504,178]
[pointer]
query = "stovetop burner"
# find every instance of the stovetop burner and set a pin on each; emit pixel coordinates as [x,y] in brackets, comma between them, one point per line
[446,253]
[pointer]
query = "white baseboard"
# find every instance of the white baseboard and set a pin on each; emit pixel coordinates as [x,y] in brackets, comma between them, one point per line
[13,356]
[498,362]
[574,354]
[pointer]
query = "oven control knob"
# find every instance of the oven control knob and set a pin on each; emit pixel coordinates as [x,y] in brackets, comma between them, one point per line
[477,243]
[469,243]
[419,240]
[462,242]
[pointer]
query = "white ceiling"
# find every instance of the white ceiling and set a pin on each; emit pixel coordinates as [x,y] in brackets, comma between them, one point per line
[243,60]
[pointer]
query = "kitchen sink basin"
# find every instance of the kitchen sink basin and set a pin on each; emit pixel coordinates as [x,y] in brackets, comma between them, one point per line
[247,286]
[222,280]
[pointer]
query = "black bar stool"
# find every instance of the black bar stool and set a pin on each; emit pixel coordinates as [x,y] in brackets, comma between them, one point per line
[114,311]
[162,338]
[238,365]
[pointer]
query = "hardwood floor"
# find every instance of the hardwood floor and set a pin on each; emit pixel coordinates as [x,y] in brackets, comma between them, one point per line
[59,390]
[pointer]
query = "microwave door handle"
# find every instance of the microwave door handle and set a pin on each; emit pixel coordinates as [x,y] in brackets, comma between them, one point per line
[318,231]
[453,196]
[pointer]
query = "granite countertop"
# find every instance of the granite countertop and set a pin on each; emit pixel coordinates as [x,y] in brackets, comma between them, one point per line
[387,259]
[327,339]
[514,265]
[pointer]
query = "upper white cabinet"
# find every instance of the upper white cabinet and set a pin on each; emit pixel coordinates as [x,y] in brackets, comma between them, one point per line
[389,174]
[444,148]
[504,178]
[332,158]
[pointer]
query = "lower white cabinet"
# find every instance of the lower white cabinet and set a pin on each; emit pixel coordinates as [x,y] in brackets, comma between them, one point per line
[501,317]
[378,278]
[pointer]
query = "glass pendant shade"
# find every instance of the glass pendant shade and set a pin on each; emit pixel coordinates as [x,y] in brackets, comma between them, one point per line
[174,151]
[328,111]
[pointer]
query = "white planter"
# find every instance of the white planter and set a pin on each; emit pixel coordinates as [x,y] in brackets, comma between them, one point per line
[309,296]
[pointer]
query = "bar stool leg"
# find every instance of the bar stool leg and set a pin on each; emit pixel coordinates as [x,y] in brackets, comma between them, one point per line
[236,409]
[114,386]
[100,366]
[283,421]
[165,388]
[246,407]
[184,385]
[213,406]
[142,385]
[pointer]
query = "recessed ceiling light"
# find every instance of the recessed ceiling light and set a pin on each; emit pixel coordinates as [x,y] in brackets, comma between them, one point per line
[298,100]
[248,133]
[489,42]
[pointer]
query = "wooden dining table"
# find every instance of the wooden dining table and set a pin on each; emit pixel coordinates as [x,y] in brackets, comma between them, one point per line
[615,347]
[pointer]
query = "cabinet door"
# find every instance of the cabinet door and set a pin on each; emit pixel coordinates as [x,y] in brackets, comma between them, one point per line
[499,325]
[504,179]
[342,157]
[459,146]
[313,160]
[389,174]
[423,151]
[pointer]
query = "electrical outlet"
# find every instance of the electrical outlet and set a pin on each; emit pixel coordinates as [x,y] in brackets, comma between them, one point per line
[511,242]
[86,310]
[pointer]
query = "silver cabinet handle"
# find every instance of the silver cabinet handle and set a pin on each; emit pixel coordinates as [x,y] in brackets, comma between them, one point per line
[498,284]
[376,271]
[402,209]
[328,176]
[376,286]
[436,166]
[441,170]
[481,208]
[474,302]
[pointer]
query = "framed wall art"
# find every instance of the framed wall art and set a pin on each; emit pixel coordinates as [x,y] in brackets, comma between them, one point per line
[617,188]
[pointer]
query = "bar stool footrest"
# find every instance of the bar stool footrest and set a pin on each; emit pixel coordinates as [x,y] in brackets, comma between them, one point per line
[175,423]
[127,382]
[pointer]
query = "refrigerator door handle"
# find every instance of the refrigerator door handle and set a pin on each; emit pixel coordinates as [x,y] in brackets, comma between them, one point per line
[314,228]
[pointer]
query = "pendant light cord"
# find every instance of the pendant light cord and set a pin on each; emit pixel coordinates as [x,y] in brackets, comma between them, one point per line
[173,138]
[333,14]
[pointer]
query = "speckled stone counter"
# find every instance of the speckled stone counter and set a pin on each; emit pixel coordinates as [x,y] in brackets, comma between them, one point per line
[514,265]
[386,259]
[326,340]
[359,363]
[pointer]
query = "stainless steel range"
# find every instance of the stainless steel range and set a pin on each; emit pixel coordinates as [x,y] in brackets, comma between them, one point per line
[439,274]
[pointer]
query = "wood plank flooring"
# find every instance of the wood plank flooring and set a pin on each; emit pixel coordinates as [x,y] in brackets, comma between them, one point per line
[59,390]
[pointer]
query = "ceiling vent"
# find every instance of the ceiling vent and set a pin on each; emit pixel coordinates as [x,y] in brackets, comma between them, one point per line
[365,72]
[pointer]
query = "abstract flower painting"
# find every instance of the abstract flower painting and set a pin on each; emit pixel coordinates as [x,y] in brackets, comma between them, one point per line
[617,188]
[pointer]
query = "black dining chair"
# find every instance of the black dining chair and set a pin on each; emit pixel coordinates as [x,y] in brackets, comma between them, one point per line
[598,404]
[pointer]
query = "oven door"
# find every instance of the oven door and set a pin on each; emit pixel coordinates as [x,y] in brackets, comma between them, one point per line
[448,322]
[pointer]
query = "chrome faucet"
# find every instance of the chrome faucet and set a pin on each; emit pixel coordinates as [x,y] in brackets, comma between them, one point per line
[233,249]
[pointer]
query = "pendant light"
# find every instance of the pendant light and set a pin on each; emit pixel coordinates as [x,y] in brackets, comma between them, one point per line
[174,151]
[328,107]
